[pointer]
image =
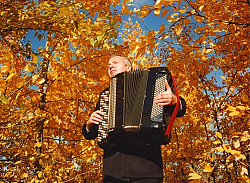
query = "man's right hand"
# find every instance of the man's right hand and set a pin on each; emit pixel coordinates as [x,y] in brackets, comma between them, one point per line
[95,118]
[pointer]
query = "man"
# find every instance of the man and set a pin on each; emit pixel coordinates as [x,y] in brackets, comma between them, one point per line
[130,163]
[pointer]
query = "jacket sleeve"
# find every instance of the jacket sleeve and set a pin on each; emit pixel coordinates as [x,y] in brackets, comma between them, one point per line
[181,111]
[92,133]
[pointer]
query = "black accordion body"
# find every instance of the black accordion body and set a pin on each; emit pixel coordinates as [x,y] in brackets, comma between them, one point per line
[131,117]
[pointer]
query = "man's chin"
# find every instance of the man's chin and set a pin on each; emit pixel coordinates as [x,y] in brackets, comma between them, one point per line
[113,74]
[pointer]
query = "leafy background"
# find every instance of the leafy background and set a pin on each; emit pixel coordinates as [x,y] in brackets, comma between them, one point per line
[53,57]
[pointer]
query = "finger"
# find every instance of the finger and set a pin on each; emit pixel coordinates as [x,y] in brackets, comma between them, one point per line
[167,86]
[163,95]
[92,122]
[97,116]
[163,101]
[101,113]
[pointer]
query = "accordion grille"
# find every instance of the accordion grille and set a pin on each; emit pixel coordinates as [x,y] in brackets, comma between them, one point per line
[135,89]
[157,111]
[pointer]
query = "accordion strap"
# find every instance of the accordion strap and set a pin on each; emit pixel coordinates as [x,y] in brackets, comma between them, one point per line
[176,109]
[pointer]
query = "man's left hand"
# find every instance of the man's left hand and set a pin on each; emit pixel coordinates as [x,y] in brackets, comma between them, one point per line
[166,98]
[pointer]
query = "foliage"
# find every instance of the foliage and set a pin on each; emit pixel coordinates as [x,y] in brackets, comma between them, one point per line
[47,93]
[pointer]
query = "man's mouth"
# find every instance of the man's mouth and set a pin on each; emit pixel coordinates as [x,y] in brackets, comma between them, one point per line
[112,71]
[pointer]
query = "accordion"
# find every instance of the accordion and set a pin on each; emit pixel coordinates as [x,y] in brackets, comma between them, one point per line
[131,117]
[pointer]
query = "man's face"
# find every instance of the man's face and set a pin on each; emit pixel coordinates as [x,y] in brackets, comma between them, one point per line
[117,65]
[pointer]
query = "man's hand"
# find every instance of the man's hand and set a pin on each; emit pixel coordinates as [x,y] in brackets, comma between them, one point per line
[95,118]
[166,98]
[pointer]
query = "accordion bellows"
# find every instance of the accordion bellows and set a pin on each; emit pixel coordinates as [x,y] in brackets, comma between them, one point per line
[131,117]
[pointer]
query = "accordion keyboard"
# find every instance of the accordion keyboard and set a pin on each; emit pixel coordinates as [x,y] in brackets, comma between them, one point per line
[103,127]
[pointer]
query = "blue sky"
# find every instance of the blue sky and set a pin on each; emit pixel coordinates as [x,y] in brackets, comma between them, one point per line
[150,22]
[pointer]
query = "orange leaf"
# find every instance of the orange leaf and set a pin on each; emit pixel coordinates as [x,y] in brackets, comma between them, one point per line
[164,12]
[208,168]
[198,18]
[194,176]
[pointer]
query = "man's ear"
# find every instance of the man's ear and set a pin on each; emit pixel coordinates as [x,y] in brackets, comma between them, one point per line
[128,68]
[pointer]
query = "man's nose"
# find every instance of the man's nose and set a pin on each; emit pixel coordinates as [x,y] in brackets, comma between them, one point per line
[111,66]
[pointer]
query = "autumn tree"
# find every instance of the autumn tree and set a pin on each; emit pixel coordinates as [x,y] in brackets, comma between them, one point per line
[48,92]
[205,45]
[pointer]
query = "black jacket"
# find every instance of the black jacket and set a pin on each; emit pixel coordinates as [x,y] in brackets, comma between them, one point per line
[139,161]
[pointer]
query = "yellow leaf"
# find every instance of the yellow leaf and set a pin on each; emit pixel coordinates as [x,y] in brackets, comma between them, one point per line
[34,58]
[231,108]
[3,99]
[245,97]
[243,139]
[25,175]
[230,165]
[18,162]
[35,77]
[241,107]
[5,68]
[29,68]
[7,55]
[182,11]
[217,142]
[32,158]
[40,173]
[218,134]
[198,19]
[239,157]
[208,168]
[244,171]
[227,148]
[237,144]
[137,11]
[194,176]
[234,113]
[157,12]
[10,76]
[201,7]
[220,149]
[222,77]
[38,144]
[41,81]
[209,50]
[178,29]
[235,153]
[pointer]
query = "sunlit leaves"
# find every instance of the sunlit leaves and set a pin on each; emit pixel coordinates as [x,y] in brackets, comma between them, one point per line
[218,134]
[46,91]
[198,19]
[208,168]
[4,99]
[203,43]
[194,176]
[29,68]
